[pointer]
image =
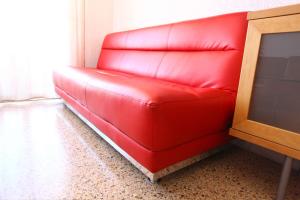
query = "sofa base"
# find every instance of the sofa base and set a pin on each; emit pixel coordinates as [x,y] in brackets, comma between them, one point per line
[152,176]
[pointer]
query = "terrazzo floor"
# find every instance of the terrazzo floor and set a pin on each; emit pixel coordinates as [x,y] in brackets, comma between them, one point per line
[46,152]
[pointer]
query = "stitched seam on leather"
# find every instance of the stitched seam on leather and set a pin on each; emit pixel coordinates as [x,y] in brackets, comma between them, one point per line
[189,141]
[129,75]
[69,94]
[75,99]
[158,66]
[165,52]
[171,27]
[190,100]
[153,125]
[178,50]
[152,104]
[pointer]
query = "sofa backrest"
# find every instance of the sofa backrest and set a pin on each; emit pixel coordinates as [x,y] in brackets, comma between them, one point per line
[199,53]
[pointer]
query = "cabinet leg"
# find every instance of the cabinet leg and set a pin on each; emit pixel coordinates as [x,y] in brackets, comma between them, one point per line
[284,179]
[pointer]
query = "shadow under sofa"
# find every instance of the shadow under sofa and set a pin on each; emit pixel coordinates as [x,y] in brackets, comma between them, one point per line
[162,96]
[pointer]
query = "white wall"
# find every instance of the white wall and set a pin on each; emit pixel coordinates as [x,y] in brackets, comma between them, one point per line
[98,22]
[129,14]
[105,16]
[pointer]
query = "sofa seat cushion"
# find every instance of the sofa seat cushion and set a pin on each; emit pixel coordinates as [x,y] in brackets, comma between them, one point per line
[73,80]
[157,114]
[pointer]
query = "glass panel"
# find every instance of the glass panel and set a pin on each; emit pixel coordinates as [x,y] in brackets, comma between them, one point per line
[276,91]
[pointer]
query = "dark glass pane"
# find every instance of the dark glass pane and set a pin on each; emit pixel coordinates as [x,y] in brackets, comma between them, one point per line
[276,91]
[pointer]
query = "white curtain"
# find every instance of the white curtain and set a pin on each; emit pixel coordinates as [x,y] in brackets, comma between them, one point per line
[37,36]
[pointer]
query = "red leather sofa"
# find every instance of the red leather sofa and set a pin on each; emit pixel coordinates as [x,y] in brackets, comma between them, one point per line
[164,94]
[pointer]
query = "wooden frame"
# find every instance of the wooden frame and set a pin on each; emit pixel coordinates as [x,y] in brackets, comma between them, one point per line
[275,12]
[277,139]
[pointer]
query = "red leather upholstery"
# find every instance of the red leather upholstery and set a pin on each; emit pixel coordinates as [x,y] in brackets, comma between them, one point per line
[73,81]
[157,113]
[152,160]
[163,93]
[198,53]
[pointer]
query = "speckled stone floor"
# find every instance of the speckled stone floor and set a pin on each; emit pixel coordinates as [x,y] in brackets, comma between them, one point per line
[48,153]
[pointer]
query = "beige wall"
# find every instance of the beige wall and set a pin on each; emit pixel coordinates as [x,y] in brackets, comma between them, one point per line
[98,22]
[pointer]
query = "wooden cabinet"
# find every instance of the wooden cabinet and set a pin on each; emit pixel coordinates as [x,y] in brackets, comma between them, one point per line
[267,109]
[268,103]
